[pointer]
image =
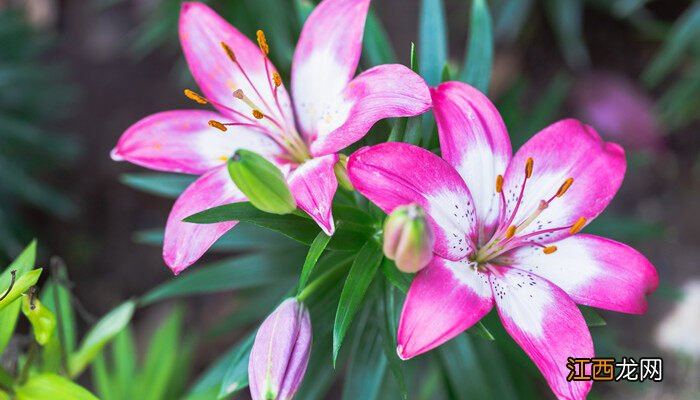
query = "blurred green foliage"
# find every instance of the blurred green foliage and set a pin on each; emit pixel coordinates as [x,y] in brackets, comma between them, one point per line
[32,95]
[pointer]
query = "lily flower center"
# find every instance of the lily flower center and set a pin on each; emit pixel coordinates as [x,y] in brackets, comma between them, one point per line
[507,235]
[269,119]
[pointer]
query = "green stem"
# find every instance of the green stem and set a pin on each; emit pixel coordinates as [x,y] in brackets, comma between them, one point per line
[28,363]
[6,380]
[59,317]
[320,281]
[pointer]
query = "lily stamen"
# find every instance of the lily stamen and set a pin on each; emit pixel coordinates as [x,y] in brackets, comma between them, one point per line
[576,227]
[218,125]
[198,98]
[528,173]
[231,55]
[549,249]
[562,189]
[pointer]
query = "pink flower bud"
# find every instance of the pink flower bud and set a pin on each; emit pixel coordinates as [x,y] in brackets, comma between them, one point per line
[280,352]
[408,238]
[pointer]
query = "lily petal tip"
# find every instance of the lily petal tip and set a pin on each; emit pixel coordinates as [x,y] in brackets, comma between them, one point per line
[174,262]
[400,351]
[114,154]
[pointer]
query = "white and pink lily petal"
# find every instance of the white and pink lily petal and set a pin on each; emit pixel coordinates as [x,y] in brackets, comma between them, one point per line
[519,252]
[181,141]
[333,109]
[256,113]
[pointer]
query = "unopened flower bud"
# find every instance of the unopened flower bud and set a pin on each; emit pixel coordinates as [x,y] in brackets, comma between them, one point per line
[408,238]
[341,172]
[262,182]
[42,319]
[280,353]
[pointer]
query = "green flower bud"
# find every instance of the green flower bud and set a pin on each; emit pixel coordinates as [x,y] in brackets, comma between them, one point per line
[341,172]
[262,182]
[42,319]
[408,238]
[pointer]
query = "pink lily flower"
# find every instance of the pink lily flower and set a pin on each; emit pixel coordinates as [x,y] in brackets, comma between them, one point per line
[505,232]
[331,110]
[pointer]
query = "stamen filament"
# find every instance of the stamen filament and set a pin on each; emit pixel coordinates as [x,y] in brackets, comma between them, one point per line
[543,206]
[250,82]
[528,173]
[203,100]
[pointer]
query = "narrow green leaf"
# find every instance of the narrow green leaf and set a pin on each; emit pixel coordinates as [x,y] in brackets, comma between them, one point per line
[685,33]
[236,376]
[6,379]
[304,9]
[459,359]
[57,298]
[317,247]
[446,74]
[159,184]
[367,365]
[8,320]
[101,378]
[414,128]
[359,278]
[566,17]
[298,228]
[432,40]
[376,45]
[591,316]
[480,330]
[22,284]
[388,315]
[207,385]
[102,333]
[245,237]
[22,264]
[248,271]
[414,60]
[496,372]
[397,278]
[9,315]
[510,18]
[478,60]
[125,362]
[51,386]
[397,130]
[160,362]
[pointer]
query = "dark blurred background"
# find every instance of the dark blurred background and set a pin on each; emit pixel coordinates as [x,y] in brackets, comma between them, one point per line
[109,63]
